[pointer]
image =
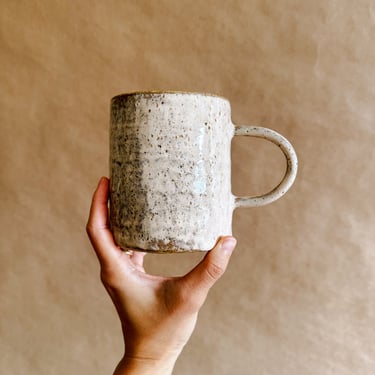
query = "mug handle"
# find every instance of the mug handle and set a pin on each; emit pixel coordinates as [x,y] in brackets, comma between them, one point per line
[291,167]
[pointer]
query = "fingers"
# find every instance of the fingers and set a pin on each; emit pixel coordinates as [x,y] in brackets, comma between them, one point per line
[199,281]
[98,226]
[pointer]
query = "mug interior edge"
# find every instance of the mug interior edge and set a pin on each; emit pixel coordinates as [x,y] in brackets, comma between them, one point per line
[166,92]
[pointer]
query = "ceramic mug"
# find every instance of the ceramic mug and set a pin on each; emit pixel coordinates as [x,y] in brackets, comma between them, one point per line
[170,170]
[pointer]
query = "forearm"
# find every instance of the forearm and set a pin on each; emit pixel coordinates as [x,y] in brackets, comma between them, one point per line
[136,366]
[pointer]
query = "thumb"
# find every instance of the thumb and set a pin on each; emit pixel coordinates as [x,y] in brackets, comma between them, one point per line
[201,278]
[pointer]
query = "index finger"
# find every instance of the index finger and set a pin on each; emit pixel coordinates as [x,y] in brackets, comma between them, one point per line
[98,225]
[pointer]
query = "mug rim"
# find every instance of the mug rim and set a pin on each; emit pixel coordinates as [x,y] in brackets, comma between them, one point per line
[167,92]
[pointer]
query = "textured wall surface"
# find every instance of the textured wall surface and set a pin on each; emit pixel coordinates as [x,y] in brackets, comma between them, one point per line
[299,294]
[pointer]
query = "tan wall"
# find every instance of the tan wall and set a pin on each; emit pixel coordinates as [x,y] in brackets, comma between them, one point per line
[298,297]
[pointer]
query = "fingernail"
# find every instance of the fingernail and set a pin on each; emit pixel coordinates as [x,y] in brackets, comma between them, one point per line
[228,244]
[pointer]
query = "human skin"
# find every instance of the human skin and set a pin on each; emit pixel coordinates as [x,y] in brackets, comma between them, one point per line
[158,314]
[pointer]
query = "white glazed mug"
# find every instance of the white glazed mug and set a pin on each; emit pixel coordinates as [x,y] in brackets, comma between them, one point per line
[170,170]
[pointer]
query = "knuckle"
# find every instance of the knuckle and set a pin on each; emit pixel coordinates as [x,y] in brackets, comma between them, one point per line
[214,271]
[184,297]
[89,229]
[191,301]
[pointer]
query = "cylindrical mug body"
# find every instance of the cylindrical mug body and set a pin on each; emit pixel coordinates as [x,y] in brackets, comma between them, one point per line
[170,171]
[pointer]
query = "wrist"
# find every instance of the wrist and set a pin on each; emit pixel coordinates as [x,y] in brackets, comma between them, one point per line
[145,366]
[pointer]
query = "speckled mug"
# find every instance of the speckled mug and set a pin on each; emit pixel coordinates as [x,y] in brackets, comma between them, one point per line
[170,170]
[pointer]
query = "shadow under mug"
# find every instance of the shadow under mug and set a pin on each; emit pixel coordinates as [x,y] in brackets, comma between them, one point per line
[170,170]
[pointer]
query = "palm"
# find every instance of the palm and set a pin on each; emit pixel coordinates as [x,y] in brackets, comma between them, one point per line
[148,305]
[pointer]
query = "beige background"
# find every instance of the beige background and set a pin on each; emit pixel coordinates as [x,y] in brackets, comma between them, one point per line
[299,295]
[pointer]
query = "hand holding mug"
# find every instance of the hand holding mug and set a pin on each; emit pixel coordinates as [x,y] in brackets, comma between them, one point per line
[158,314]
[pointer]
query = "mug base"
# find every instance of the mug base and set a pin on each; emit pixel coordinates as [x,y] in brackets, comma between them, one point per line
[162,251]
[157,246]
